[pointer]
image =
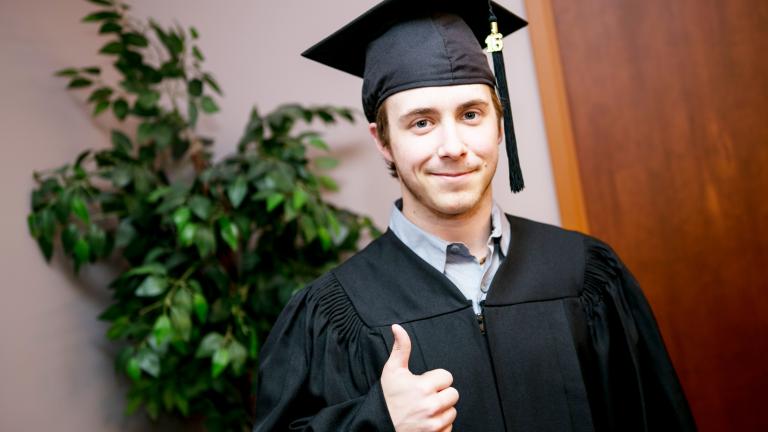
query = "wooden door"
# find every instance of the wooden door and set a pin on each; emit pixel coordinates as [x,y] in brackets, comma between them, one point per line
[668,102]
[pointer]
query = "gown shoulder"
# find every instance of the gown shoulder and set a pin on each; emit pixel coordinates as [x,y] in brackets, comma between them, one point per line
[318,369]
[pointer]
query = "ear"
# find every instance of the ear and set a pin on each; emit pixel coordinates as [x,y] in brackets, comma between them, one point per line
[384,150]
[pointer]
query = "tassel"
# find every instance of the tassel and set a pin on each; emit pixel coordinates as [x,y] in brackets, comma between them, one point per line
[494,46]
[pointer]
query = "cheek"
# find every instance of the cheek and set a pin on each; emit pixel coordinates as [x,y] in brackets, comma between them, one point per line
[485,143]
[411,153]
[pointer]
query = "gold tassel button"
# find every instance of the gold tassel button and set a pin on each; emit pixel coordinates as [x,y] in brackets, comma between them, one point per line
[494,42]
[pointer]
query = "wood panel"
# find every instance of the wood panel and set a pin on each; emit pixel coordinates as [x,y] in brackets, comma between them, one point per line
[557,116]
[669,107]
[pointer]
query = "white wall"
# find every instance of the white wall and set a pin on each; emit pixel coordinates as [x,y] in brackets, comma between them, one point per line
[253,47]
[55,363]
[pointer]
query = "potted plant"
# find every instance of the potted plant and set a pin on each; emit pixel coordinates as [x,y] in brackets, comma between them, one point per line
[208,252]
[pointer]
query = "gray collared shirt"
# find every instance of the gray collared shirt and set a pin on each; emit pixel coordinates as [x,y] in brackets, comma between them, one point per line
[454,260]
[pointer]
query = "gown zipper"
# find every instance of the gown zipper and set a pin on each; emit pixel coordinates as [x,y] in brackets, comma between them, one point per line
[481,321]
[483,331]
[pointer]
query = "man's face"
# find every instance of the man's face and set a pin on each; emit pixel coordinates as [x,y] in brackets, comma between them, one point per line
[444,142]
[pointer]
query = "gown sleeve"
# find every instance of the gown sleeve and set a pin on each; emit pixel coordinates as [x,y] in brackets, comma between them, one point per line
[633,384]
[320,366]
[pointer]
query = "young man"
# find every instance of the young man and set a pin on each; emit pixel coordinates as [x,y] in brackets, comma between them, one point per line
[459,316]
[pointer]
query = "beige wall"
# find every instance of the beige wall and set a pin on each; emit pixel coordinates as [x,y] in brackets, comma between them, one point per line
[55,363]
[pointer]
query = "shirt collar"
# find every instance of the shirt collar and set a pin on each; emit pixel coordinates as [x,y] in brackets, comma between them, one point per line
[431,248]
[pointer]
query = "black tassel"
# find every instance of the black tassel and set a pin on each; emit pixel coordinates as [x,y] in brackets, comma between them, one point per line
[516,182]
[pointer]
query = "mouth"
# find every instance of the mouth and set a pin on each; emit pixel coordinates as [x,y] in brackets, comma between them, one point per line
[453,174]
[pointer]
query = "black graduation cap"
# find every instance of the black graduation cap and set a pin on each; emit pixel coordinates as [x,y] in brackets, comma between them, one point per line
[404,44]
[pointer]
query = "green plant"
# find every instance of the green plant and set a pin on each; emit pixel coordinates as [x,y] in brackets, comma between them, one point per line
[209,255]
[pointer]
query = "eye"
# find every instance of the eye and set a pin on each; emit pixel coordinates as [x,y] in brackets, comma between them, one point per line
[471,115]
[421,124]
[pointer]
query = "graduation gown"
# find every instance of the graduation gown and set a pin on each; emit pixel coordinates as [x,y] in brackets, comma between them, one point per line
[567,342]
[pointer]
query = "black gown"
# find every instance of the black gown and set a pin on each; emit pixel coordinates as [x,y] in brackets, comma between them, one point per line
[568,343]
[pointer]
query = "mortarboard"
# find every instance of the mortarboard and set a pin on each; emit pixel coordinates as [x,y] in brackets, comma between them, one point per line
[404,44]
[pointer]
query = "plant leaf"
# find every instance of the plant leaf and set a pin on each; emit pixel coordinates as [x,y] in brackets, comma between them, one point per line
[237,355]
[133,369]
[181,217]
[210,343]
[81,157]
[162,329]
[144,132]
[100,107]
[219,362]
[152,286]
[80,209]
[69,237]
[147,100]
[163,134]
[229,232]
[181,322]
[152,268]
[274,200]
[299,198]
[205,241]
[195,87]
[135,39]
[110,27]
[187,234]
[92,70]
[192,113]
[328,183]
[237,190]
[201,307]
[212,82]
[118,327]
[197,54]
[101,2]
[113,47]
[325,238]
[149,362]
[102,93]
[208,105]
[183,300]
[82,252]
[79,83]
[308,227]
[253,345]
[347,114]
[101,15]
[97,239]
[120,108]
[201,206]
[67,72]
[183,405]
[325,162]
[121,142]
[125,233]
[324,115]
[319,143]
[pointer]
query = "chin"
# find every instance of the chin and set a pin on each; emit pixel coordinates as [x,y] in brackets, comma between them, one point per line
[455,206]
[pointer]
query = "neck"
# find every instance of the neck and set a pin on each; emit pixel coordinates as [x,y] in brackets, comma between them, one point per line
[471,227]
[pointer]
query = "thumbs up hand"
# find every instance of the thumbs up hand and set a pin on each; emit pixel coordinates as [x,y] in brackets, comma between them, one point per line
[416,403]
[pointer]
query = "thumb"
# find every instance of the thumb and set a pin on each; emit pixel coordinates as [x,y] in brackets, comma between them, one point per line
[401,349]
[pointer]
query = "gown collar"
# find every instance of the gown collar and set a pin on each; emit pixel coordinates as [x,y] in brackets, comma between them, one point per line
[388,283]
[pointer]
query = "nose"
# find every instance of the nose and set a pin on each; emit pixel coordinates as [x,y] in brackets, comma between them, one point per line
[452,145]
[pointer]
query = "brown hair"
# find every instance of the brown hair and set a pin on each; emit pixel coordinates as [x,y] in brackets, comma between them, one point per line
[382,125]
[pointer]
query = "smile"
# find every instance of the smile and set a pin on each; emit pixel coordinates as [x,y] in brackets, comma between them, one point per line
[453,175]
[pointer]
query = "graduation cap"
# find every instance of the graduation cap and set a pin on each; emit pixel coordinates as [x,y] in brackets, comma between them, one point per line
[404,44]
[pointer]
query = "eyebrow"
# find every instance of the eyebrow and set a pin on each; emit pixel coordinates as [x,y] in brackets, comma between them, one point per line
[416,112]
[480,103]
